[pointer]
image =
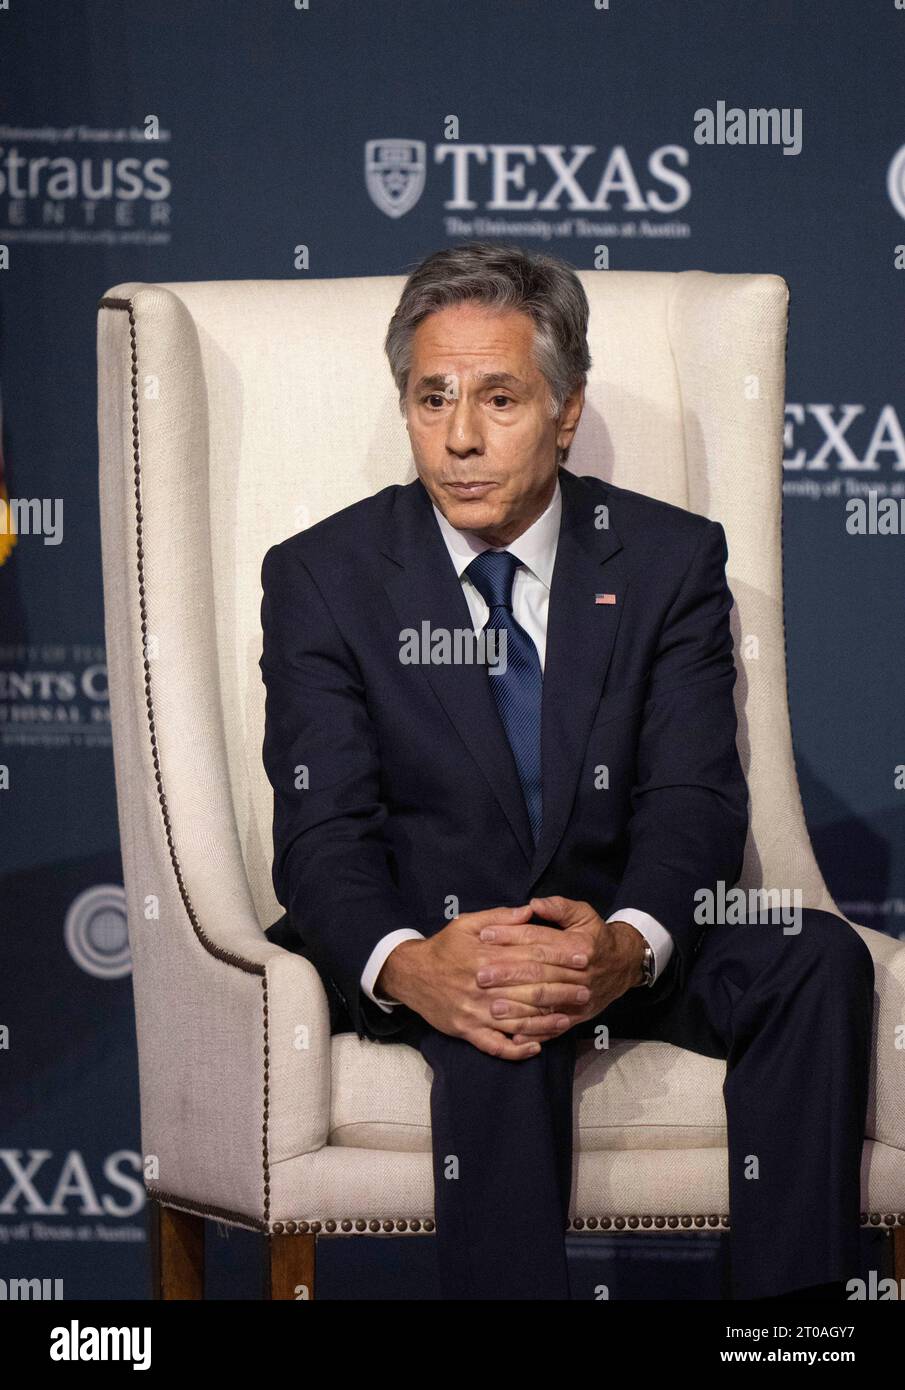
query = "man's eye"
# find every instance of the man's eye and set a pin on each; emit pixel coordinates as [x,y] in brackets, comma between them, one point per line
[507,400]
[433,396]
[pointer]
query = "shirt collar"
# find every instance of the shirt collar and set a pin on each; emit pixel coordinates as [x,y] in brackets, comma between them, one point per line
[534,548]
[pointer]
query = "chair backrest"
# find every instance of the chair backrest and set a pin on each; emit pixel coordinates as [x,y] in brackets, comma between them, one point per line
[263,406]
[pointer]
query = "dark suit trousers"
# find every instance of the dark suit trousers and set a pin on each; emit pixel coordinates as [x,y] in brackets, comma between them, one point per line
[791,1014]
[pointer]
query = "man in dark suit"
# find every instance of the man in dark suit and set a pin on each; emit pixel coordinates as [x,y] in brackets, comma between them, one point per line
[501,735]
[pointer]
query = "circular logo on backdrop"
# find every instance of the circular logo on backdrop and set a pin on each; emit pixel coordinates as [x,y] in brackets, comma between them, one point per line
[895,181]
[96,932]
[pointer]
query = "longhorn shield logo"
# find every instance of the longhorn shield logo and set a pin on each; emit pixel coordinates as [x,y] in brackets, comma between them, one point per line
[394,174]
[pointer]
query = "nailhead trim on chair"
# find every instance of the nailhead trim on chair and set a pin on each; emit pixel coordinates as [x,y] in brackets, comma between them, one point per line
[230,957]
[579,1223]
[646,1223]
[401,1225]
[360,1226]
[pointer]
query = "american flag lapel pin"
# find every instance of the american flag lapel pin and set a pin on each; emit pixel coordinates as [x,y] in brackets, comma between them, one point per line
[604,598]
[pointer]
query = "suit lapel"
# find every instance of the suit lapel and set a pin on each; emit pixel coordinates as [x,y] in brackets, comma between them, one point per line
[425,587]
[580,638]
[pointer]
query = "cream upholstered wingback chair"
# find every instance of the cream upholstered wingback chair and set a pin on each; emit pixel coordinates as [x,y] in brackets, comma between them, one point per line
[231,415]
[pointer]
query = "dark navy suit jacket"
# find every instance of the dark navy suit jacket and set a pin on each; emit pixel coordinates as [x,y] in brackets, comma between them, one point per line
[395,789]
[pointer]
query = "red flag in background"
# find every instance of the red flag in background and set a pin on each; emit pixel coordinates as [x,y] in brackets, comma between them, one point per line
[8,536]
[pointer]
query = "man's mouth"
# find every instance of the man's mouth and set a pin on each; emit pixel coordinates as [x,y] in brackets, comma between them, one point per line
[475,489]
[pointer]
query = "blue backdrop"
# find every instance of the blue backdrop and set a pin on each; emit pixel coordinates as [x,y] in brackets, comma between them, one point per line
[155,141]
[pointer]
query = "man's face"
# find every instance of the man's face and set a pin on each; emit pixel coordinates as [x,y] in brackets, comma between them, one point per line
[483,442]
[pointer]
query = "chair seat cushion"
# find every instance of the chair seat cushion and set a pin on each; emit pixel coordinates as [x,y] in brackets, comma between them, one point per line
[634,1095]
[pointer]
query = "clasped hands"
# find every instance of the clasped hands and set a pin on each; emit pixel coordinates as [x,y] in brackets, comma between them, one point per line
[508,984]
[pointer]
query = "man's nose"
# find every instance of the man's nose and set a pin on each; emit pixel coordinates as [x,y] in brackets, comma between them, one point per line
[464,433]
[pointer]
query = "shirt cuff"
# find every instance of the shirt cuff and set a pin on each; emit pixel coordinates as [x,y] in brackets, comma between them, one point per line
[376,960]
[655,934]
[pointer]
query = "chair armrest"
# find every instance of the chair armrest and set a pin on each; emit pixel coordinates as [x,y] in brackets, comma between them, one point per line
[300,1056]
[234,1066]
[886,1107]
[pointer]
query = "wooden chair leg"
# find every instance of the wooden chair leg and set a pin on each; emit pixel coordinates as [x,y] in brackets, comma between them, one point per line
[898,1254]
[177,1252]
[289,1267]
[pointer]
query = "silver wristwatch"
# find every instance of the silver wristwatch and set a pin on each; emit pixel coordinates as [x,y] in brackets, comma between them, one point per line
[647,967]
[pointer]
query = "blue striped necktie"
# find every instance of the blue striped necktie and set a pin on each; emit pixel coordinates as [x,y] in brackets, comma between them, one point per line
[518,689]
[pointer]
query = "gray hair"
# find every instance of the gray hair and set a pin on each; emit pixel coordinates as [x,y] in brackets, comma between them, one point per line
[502,277]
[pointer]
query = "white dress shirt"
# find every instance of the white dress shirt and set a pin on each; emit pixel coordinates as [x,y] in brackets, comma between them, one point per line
[536,550]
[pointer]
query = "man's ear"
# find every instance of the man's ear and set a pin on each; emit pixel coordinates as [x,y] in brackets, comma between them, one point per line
[569,417]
